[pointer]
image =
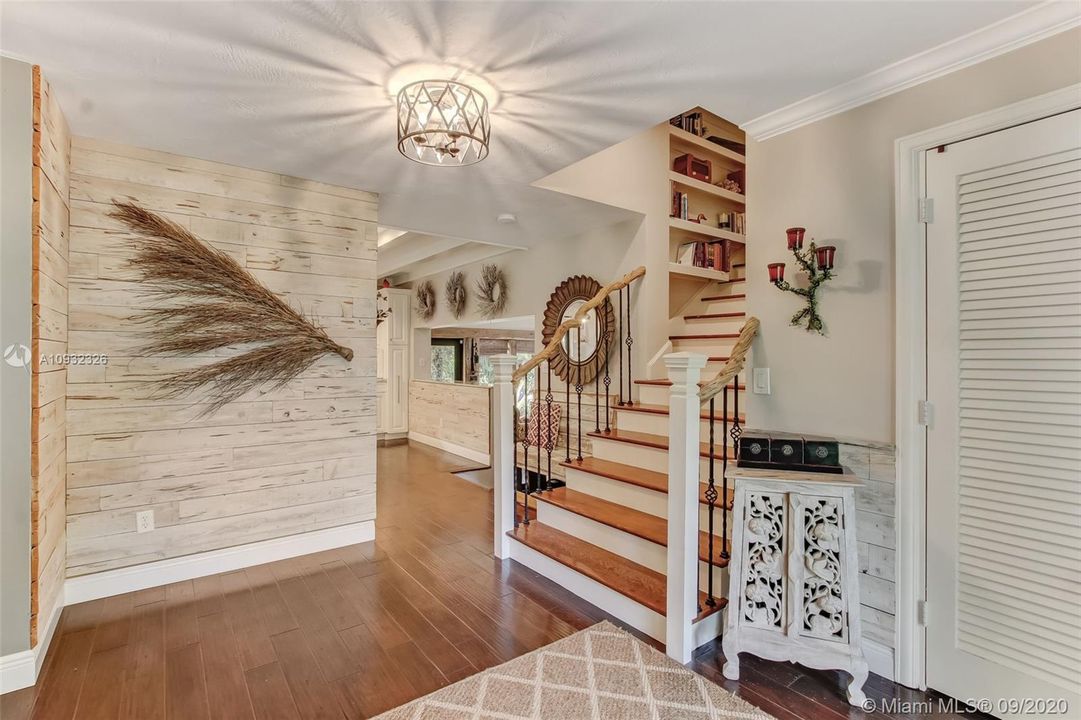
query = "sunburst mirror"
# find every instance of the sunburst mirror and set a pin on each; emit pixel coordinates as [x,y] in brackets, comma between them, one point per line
[581,353]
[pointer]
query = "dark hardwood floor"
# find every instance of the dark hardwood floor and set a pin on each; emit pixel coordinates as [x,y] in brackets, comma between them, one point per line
[352,632]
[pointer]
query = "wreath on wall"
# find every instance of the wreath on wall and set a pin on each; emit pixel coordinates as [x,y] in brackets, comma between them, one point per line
[213,303]
[425,300]
[491,291]
[456,293]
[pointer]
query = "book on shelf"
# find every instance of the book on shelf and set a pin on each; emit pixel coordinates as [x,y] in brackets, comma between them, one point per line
[680,206]
[690,122]
[712,255]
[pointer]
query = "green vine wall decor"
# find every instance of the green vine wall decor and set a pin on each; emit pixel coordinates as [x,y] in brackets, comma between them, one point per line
[817,262]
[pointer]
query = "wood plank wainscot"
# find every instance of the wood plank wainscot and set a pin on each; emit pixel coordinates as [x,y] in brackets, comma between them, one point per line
[451,416]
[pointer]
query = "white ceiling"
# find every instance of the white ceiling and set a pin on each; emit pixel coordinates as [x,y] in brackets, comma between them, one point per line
[411,256]
[298,88]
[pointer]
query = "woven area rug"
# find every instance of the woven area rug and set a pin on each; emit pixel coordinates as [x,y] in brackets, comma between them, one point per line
[600,673]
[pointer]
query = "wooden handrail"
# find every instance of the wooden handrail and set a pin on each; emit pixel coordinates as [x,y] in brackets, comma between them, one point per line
[576,321]
[735,363]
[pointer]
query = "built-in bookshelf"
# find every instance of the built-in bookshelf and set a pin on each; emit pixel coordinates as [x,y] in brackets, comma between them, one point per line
[707,215]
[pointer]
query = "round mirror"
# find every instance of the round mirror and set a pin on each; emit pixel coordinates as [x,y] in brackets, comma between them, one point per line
[584,348]
[581,343]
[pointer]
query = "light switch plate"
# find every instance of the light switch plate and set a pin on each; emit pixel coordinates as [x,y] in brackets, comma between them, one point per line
[760,381]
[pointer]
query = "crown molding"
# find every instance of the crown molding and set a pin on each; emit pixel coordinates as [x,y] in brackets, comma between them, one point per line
[1029,26]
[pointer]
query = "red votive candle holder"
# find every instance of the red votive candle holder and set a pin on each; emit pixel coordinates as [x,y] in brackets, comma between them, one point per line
[825,255]
[795,237]
[776,272]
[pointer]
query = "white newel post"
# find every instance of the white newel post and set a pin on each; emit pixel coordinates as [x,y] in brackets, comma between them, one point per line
[503,451]
[684,370]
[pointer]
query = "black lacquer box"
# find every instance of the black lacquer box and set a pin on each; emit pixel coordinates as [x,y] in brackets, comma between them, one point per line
[788,451]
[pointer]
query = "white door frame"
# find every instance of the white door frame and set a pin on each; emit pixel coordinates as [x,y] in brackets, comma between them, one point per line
[910,258]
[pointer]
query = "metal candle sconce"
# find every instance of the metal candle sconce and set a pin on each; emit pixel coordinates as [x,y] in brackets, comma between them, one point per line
[817,262]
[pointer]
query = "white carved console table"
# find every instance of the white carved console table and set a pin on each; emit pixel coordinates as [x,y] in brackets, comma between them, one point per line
[794,593]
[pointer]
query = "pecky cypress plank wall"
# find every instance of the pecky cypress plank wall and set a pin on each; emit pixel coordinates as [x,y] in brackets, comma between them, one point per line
[271,464]
[49,231]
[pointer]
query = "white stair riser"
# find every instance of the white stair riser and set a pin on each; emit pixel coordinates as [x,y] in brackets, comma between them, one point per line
[658,424]
[632,547]
[720,306]
[706,346]
[642,456]
[713,325]
[638,498]
[658,394]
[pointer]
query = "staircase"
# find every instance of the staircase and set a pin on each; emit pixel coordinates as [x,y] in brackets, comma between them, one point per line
[604,535]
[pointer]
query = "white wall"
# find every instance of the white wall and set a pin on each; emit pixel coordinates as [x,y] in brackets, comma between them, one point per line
[835,177]
[533,274]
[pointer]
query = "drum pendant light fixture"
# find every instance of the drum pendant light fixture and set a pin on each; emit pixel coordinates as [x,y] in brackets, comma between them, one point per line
[443,122]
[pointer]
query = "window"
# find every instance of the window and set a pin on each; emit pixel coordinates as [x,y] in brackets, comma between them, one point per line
[446,359]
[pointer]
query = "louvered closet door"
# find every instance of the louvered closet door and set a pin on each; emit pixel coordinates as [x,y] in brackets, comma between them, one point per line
[1004,446]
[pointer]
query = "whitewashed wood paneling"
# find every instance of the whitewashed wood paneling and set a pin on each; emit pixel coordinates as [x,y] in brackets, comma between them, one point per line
[48,460]
[276,462]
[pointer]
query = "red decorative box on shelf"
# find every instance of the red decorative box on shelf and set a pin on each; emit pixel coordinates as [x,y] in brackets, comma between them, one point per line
[691,166]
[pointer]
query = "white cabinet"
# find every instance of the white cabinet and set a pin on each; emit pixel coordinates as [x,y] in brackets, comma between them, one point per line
[393,338]
[793,578]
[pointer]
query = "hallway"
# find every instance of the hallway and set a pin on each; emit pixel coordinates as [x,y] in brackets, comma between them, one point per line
[354,631]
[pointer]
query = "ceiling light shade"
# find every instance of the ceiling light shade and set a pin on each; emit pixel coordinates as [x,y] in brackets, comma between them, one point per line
[443,122]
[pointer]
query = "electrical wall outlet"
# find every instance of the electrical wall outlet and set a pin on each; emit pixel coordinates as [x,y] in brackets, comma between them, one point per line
[144,521]
[760,381]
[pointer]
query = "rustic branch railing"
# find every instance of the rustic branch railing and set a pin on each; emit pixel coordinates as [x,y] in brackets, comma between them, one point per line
[576,322]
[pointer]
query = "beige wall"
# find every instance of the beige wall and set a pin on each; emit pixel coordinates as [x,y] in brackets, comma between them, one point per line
[451,414]
[271,464]
[48,456]
[835,177]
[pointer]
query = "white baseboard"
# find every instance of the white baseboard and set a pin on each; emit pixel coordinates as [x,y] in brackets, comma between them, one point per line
[115,582]
[21,669]
[450,447]
[879,658]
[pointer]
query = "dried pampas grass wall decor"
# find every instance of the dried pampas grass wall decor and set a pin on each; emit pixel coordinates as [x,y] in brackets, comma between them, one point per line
[456,294]
[491,291]
[425,300]
[215,303]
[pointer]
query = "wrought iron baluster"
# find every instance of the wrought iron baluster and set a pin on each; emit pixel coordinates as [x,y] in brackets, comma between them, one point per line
[607,375]
[517,471]
[550,436]
[568,458]
[525,450]
[597,371]
[630,346]
[737,431]
[711,499]
[619,330]
[539,431]
[578,388]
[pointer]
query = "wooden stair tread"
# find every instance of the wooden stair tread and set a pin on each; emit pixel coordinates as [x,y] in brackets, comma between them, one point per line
[715,316]
[718,336]
[660,442]
[665,383]
[633,475]
[639,583]
[721,298]
[663,410]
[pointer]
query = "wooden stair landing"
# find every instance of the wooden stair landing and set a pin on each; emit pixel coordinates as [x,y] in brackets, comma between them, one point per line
[640,477]
[640,524]
[660,442]
[639,583]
